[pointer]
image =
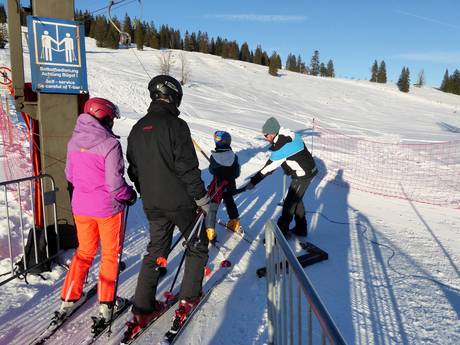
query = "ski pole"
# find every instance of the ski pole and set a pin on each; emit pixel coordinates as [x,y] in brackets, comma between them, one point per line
[122,237]
[199,223]
[201,150]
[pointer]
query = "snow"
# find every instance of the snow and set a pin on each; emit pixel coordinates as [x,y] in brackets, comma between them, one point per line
[393,271]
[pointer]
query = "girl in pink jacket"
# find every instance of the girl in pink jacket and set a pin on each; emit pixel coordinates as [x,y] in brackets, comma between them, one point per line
[95,169]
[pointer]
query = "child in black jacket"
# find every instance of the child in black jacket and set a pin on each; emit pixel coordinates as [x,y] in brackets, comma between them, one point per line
[225,168]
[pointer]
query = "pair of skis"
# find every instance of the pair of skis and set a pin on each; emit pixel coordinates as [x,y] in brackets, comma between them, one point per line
[153,333]
[57,321]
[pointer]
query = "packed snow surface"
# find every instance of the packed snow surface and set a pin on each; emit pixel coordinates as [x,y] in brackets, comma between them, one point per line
[393,271]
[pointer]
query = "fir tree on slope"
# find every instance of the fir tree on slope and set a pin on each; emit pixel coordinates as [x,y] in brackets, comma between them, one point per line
[322,70]
[273,64]
[291,63]
[451,84]
[128,26]
[330,72]
[139,35]
[382,73]
[112,37]
[314,64]
[374,71]
[258,55]
[445,86]
[421,79]
[244,52]
[100,30]
[404,80]
[455,80]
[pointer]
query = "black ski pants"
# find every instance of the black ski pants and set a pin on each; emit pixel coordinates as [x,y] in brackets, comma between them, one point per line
[230,205]
[293,206]
[162,224]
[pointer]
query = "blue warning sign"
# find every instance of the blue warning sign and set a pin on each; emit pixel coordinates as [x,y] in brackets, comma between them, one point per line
[57,55]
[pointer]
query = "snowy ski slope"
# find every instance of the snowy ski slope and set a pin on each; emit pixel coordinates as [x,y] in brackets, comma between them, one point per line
[393,274]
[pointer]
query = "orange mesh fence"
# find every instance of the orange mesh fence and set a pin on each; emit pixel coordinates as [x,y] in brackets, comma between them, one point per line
[427,173]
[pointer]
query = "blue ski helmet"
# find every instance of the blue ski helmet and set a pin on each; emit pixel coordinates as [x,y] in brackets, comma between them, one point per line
[222,139]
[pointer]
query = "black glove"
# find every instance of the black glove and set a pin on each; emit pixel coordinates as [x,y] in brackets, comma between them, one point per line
[133,199]
[204,203]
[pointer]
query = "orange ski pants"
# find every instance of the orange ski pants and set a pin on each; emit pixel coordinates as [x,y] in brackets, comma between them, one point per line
[89,231]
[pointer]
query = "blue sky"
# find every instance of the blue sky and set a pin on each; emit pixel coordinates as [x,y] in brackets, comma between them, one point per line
[413,33]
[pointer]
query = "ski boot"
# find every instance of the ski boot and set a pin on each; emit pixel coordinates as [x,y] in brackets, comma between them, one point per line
[234,225]
[181,314]
[106,312]
[211,233]
[66,308]
[140,321]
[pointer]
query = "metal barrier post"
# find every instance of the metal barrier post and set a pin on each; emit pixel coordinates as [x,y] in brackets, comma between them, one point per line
[10,248]
[49,199]
[283,266]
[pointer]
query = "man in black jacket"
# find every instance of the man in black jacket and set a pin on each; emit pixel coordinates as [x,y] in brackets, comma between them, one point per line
[289,152]
[164,168]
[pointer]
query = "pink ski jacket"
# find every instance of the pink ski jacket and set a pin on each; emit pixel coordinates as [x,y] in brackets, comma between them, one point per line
[95,168]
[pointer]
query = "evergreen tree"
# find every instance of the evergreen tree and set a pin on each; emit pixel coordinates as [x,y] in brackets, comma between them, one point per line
[100,30]
[330,72]
[204,43]
[421,78]
[455,82]
[234,50]
[291,64]
[314,64]
[258,55]
[176,41]
[112,36]
[187,41]
[265,59]
[322,70]
[127,26]
[193,44]
[244,52]
[445,82]
[212,47]
[404,80]
[278,61]
[3,17]
[273,64]
[374,71]
[225,49]
[382,73]
[218,47]
[164,37]
[139,35]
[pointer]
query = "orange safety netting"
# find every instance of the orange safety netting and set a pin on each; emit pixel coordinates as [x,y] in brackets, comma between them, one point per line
[427,173]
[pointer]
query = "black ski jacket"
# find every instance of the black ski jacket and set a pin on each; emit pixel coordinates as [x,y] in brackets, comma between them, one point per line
[289,152]
[162,160]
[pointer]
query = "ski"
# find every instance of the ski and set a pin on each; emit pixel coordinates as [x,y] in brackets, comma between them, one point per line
[240,233]
[57,321]
[172,335]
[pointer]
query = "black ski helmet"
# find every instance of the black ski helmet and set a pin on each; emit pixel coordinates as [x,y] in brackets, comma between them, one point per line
[165,86]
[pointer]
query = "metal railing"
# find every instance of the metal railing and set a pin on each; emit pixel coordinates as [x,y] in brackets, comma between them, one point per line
[17,201]
[296,314]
